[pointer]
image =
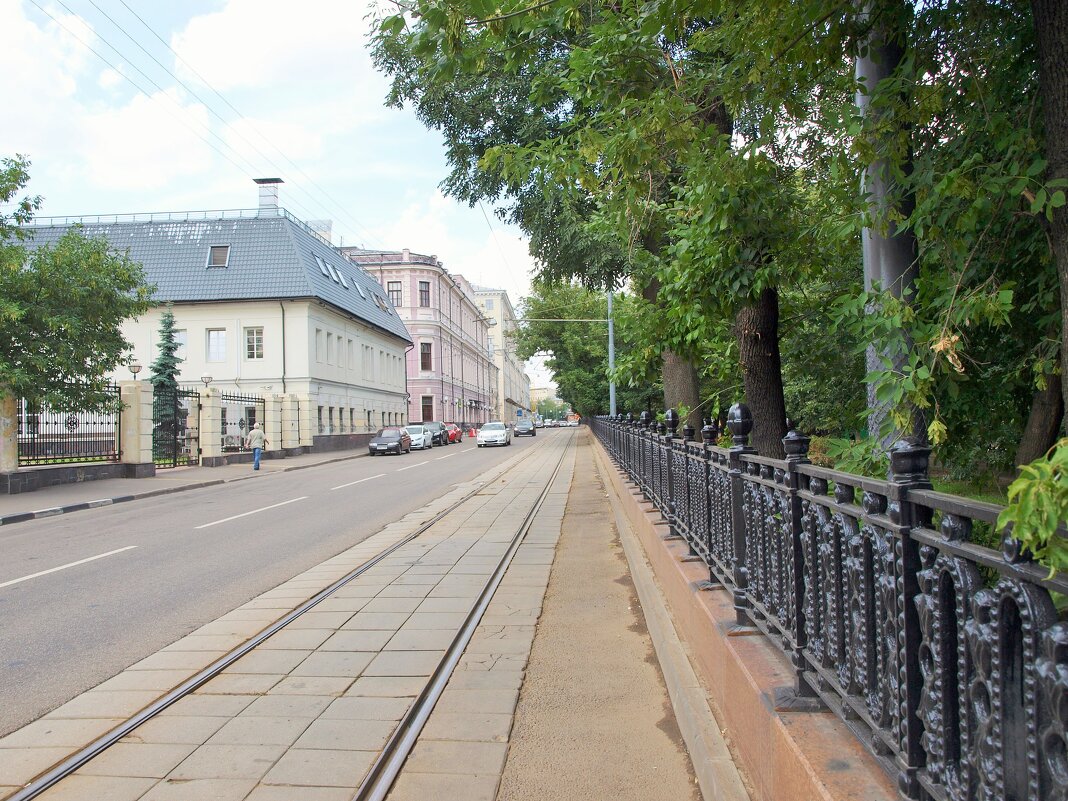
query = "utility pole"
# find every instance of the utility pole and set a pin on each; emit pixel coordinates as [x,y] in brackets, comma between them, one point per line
[611,360]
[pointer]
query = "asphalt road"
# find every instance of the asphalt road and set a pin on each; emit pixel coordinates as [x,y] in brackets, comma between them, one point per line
[176,562]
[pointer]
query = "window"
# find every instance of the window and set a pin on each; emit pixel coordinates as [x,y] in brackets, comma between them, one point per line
[352,420]
[322,266]
[216,345]
[489,304]
[254,342]
[330,420]
[181,339]
[368,419]
[219,256]
[319,419]
[424,294]
[394,290]
[425,356]
[427,404]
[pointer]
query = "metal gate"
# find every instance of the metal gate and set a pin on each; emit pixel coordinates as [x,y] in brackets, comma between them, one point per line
[175,427]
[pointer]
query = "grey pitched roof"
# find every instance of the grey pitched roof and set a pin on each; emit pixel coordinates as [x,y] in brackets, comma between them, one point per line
[270,257]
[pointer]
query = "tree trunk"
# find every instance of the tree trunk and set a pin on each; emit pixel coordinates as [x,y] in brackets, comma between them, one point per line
[682,388]
[681,383]
[1051,36]
[756,327]
[1042,423]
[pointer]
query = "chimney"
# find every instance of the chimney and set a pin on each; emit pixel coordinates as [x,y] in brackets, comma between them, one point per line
[268,195]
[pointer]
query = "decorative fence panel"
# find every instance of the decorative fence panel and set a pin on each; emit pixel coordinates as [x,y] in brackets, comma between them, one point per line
[58,436]
[175,427]
[947,659]
[239,414]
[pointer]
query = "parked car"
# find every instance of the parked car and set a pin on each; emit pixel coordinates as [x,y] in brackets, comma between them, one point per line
[455,434]
[494,433]
[440,435]
[421,436]
[525,428]
[390,440]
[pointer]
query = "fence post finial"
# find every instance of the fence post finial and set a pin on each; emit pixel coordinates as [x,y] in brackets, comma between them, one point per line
[671,422]
[740,422]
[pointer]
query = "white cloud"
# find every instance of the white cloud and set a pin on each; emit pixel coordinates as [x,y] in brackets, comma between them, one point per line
[276,43]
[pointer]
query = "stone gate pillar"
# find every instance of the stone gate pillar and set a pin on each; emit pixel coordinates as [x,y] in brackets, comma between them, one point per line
[135,428]
[210,427]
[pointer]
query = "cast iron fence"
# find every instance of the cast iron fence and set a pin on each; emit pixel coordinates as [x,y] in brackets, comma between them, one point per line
[946,658]
[175,427]
[56,436]
[239,414]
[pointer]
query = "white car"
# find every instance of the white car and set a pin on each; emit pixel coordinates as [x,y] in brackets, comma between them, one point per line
[495,433]
[421,437]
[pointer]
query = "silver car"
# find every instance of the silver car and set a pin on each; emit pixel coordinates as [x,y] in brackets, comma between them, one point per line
[495,433]
[421,437]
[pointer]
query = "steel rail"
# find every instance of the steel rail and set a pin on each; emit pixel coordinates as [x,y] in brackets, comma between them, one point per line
[76,760]
[383,773]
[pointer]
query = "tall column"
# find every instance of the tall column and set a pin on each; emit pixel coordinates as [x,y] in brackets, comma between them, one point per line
[135,428]
[272,423]
[9,441]
[289,438]
[210,427]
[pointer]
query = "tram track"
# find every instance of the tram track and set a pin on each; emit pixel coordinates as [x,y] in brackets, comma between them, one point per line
[385,769]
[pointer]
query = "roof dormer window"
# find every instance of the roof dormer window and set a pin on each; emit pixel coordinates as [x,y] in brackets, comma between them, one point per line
[322,266]
[219,256]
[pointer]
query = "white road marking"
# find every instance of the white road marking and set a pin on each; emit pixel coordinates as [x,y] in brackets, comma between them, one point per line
[409,467]
[254,511]
[64,567]
[360,481]
[447,456]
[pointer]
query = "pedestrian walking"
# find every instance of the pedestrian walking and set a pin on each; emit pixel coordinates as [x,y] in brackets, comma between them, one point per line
[256,440]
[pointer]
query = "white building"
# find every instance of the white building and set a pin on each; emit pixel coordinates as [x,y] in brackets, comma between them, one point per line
[264,305]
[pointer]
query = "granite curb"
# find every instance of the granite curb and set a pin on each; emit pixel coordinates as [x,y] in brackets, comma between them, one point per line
[21,517]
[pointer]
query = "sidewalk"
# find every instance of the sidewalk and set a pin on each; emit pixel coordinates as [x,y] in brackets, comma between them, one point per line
[64,498]
[557,695]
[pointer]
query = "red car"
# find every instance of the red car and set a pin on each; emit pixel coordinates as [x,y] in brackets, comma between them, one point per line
[455,434]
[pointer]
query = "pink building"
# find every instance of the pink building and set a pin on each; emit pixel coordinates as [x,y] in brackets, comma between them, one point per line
[452,376]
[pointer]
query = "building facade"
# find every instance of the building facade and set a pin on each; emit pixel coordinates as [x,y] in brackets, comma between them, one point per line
[264,305]
[451,375]
[512,399]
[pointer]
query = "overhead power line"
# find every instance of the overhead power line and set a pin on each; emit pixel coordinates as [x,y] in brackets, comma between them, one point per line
[247,167]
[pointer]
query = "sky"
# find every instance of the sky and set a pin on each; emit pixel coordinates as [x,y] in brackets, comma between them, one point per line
[130,107]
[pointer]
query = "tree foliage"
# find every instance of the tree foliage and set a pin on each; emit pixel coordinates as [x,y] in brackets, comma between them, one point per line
[568,322]
[61,307]
[164,370]
[712,151]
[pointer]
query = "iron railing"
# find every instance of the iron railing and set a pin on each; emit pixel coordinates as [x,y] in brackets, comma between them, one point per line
[58,436]
[239,414]
[948,659]
[175,427]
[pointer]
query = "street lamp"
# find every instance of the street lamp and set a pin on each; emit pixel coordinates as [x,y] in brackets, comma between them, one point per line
[207,379]
[134,367]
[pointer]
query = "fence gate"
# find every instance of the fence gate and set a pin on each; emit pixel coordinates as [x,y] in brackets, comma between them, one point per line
[175,427]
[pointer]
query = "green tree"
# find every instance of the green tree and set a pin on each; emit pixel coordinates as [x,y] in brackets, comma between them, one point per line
[568,322]
[61,307]
[164,370]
